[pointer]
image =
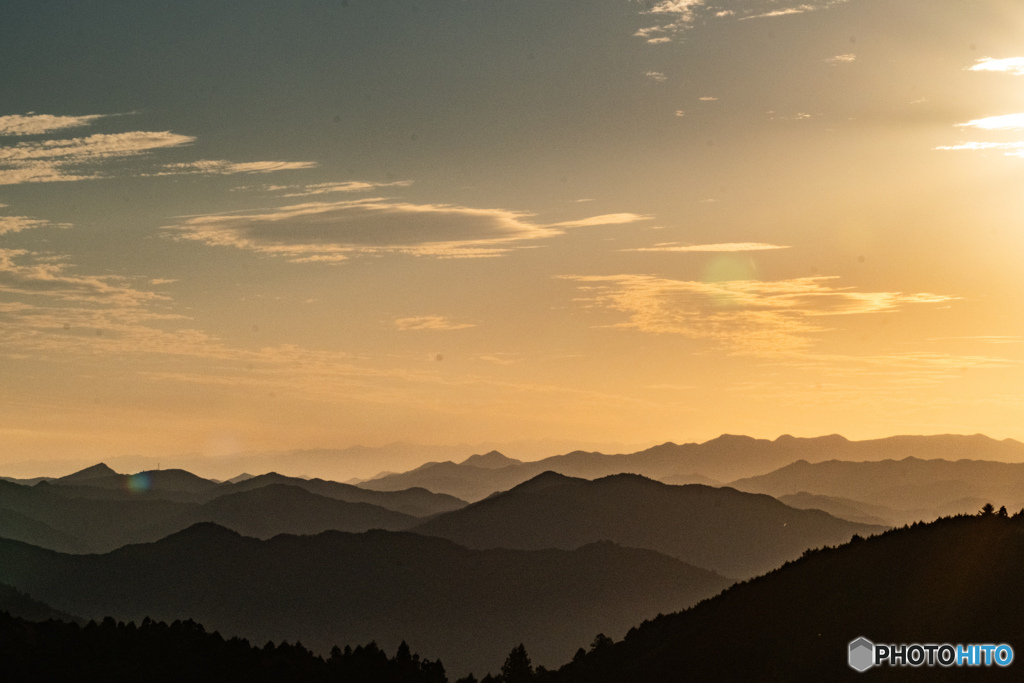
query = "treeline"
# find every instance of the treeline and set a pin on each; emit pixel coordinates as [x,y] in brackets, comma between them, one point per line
[157,652]
[184,651]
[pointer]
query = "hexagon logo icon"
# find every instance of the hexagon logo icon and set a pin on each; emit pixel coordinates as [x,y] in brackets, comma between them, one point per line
[862,654]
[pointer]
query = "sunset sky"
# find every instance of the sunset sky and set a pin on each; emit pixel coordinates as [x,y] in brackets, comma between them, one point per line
[293,224]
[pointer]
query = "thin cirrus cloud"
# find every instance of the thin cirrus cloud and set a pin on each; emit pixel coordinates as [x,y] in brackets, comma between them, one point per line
[222,167]
[744,316]
[679,15]
[335,231]
[802,8]
[842,59]
[38,124]
[62,160]
[12,224]
[429,322]
[72,159]
[1015,149]
[330,188]
[676,247]
[1010,65]
[25,273]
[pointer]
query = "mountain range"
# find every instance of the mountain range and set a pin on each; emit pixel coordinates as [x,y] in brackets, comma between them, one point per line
[97,509]
[466,607]
[734,533]
[724,459]
[895,491]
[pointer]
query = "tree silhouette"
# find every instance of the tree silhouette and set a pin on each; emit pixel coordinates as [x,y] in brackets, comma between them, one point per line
[987,510]
[1002,511]
[517,666]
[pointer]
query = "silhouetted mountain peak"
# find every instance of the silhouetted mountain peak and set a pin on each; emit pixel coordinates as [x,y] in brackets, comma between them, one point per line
[629,479]
[98,471]
[546,480]
[733,440]
[491,461]
[202,532]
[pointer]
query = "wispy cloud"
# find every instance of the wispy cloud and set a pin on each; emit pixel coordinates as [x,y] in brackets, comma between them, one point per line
[1010,65]
[221,167]
[708,99]
[745,316]
[678,16]
[349,186]
[1014,149]
[723,247]
[655,76]
[11,224]
[799,9]
[335,231]
[25,273]
[38,124]
[500,358]
[842,59]
[98,146]
[1005,122]
[604,219]
[754,13]
[429,322]
[62,160]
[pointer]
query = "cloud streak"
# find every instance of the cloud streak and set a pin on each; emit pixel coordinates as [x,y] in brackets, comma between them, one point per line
[1013,149]
[842,59]
[429,322]
[221,167]
[745,316]
[676,247]
[38,124]
[335,231]
[12,224]
[25,273]
[60,160]
[330,188]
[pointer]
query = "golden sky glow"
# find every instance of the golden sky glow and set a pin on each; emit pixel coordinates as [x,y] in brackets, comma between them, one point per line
[469,221]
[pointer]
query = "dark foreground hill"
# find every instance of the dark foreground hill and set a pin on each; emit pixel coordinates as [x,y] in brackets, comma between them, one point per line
[723,459]
[466,607]
[956,580]
[736,534]
[17,604]
[157,652]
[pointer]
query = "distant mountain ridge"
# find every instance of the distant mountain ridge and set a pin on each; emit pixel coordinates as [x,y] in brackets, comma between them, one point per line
[723,459]
[98,510]
[911,489]
[468,607]
[734,533]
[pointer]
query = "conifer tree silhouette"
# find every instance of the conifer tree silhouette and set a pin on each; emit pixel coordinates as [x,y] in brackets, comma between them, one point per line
[517,667]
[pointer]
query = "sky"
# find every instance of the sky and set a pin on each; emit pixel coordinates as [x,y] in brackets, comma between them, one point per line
[263,226]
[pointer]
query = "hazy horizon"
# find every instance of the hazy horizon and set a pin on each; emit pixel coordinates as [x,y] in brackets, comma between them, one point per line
[289,226]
